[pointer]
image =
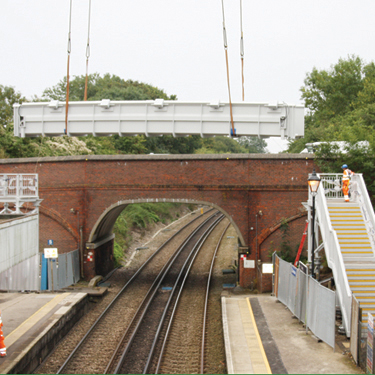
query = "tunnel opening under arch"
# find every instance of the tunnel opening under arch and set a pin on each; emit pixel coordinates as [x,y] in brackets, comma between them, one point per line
[101,241]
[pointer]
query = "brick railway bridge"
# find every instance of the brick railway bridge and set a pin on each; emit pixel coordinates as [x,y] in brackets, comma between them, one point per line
[83,196]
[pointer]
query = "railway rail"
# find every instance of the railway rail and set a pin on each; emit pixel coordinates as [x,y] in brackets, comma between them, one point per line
[110,325]
[178,345]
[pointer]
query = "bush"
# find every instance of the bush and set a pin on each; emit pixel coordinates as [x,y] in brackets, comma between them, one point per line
[139,216]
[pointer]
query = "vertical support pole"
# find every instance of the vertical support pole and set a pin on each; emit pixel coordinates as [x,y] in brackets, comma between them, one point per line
[50,260]
[313,239]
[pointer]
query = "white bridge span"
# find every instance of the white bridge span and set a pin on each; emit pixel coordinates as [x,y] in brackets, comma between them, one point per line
[158,117]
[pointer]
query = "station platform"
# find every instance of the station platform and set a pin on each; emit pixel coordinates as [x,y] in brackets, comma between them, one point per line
[260,334]
[34,322]
[262,337]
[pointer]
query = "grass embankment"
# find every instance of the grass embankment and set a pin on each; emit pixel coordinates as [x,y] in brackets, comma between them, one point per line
[139,217]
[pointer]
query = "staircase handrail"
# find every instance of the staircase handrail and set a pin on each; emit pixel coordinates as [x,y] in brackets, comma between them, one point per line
[361,196]
[334,257]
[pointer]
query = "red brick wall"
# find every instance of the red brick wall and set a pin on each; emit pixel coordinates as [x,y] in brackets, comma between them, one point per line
[241,185]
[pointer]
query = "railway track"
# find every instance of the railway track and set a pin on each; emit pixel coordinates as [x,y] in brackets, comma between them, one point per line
[139,351]
[184,348]
[108,329]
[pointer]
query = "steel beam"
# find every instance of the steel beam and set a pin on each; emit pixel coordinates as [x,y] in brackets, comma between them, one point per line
[156,118]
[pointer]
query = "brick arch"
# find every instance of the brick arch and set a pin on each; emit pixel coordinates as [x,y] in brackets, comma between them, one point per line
[58,229]
[266,233]
[104,225]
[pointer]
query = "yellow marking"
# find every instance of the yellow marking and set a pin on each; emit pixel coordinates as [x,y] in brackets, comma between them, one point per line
[38,315]
[258,337]
[355,251]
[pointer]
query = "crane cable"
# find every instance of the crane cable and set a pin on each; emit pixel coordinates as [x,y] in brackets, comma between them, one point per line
[227,63]
[67,74]
[87,52]
[242,52]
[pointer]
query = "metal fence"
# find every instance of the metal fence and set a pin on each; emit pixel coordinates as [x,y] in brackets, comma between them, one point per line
[310,302]
[22,276]
[60,272]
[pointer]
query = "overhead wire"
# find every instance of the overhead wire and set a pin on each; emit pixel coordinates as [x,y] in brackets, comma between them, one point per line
[227,64]
[87,51]
[242,53]
[68,66]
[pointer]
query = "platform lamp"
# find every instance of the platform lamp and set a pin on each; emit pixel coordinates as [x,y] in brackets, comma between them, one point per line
[313,182]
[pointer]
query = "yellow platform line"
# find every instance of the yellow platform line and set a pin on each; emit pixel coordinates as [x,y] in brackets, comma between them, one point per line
[266,363]
[29,322]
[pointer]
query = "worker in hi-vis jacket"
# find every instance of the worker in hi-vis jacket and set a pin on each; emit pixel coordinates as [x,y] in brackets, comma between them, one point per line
[347,173]
[3,349]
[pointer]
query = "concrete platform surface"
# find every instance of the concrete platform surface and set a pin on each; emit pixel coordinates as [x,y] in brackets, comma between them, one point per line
[33,323]
[262,337]
[260,334]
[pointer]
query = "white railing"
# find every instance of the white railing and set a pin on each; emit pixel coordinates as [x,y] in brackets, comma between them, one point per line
[16,190]
[332,184]
[334,256]
[18,185]
[360,195]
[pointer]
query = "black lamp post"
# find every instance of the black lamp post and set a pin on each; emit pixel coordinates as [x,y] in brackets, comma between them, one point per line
[313,182]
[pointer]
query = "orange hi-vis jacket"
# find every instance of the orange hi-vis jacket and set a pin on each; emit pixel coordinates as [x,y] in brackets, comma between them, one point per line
[347,173]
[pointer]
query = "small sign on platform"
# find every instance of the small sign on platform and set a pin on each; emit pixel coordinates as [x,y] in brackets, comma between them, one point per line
[267,268]
[294,271]
[51,252]
[248,263]
[50,242]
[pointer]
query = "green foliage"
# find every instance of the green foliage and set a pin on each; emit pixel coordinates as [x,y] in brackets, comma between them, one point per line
[340,103]
[169,145]
[8,97]
[285,250]
[360,159]
[106,87]
[138,217]
[253,145]
[220,145]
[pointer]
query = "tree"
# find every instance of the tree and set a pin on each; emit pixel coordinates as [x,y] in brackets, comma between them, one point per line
[338,99]
[107,87]
[253,145]
[341,107]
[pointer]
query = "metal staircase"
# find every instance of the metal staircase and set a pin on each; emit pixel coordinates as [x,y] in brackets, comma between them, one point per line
[348,234]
